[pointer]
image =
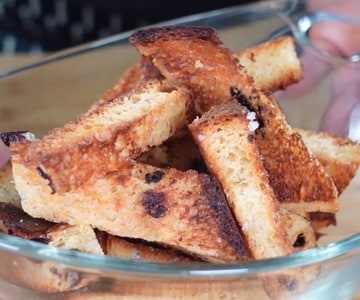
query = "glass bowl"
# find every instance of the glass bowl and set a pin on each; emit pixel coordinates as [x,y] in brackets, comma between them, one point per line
[58,87]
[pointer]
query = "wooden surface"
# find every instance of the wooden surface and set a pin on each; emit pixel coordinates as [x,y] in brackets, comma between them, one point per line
[57,102]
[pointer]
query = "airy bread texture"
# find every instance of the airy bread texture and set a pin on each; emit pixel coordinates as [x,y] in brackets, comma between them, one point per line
[135,76]
[227,143]
[8,193]
[260,194]
[340,157]
[14,221]
[81,238]
[197,59]
[139,250]
[185,210]
[273,65]
[102,140]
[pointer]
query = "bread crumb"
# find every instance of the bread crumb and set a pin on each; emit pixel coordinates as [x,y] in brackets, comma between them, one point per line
[198,64]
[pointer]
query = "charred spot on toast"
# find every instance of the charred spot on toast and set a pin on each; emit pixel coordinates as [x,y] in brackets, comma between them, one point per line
[300,241]
[228,228]
[46,177]
[22,225]
[154,203]
[150,35]
[240,97]
[245,101]
[154,176]
[15,137]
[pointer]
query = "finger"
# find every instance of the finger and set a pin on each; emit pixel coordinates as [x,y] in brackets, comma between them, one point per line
[314,71]
[330,39]
[345,96]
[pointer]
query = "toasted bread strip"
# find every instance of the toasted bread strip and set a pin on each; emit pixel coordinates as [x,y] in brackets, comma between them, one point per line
[140,250]
[101,141]
[133,77]
[179,152]
[226,141]
[18,223]
[195,57]
[320,220]
[13,220]
[273,65]
[8,193]
[339,156]
[184,210]
[81,238]
[299,230]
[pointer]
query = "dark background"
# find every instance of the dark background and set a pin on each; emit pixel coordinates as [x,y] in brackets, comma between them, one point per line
[51,25]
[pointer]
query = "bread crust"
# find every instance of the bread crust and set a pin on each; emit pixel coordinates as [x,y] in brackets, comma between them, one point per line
[185,210]
[211,71]
[273,65]
[133,77]
[340,157]
[101,141]
[229,150]
[8,193]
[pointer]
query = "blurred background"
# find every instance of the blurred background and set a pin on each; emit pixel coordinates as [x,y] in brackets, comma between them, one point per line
[37,26]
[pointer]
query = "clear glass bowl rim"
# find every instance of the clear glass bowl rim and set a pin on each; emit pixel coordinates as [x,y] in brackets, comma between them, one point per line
[44,252]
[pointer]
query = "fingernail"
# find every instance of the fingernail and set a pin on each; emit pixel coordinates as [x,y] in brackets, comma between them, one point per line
[354,124]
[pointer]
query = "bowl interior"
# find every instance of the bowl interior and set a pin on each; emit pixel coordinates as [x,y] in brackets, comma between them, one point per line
[64,85]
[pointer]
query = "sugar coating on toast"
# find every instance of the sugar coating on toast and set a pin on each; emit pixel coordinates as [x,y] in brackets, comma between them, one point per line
[228,146]
[176,53]
[102,140]
[186,210]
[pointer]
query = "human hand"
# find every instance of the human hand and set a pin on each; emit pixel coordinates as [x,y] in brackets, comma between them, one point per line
[340,40]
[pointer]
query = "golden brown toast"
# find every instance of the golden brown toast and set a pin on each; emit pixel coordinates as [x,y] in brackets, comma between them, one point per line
[273,65]
[179,152]
[102,140]
[299,230]
[81,238]
[185,210]
[320,220]
[14,221]
[134,249]
[8,193]
[195,57]
[133,77]
[339,156]
[226,141]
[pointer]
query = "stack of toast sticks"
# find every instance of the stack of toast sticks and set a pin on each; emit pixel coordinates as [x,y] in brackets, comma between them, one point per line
[187,158]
